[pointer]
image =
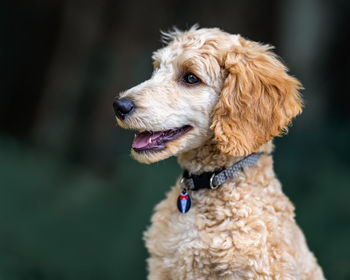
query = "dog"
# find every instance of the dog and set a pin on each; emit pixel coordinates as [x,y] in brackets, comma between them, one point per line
[216,101]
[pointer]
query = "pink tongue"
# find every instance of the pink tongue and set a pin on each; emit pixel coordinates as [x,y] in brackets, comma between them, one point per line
[141,140]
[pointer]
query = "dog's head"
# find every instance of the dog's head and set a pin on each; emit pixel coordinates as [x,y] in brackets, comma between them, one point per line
[209,85]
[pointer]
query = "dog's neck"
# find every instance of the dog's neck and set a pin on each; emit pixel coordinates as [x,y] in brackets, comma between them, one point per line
[208,158]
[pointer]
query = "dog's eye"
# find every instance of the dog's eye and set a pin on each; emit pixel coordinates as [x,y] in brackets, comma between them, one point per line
[191,79]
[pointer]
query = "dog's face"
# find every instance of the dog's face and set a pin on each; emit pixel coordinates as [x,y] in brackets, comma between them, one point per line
[208,84]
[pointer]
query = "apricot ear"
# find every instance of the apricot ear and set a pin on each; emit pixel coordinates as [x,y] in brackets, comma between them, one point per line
[258,100]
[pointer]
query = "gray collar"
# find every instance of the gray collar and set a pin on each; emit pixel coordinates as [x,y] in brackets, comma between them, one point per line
[213,180]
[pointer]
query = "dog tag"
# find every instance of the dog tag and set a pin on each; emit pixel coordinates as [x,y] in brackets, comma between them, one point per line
[184,201]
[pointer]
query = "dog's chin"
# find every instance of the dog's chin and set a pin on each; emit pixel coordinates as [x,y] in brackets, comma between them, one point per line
[153,156]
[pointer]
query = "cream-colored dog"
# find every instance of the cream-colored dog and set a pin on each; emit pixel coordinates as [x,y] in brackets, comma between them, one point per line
[213,99]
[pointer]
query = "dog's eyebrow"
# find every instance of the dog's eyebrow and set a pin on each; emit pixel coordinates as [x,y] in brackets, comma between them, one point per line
[194,66]
[190,65]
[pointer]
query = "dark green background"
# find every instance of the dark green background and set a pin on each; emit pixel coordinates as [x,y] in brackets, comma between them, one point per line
[73,204]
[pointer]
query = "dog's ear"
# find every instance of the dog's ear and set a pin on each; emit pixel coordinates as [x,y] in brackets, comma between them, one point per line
[257,102]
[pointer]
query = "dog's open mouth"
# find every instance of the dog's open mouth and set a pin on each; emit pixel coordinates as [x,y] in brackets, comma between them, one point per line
[155,141]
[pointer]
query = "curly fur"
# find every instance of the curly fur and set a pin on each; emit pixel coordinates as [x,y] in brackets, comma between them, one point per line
[246,228]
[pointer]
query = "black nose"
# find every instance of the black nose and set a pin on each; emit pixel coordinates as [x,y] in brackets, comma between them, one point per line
[122,107]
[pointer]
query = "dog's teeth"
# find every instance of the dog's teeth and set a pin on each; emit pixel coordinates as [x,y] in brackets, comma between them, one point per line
[149,140]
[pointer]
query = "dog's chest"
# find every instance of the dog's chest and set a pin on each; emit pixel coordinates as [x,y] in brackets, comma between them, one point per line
[191,240]
[172,232]
[224,235]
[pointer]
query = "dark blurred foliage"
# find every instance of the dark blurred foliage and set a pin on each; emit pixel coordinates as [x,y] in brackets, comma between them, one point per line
[73,204]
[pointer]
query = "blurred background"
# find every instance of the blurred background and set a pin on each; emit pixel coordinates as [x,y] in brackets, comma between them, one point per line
[73,203]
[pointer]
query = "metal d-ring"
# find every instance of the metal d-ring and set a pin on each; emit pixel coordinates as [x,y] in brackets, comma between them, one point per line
[182,181]
[211,183]
[182,184]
